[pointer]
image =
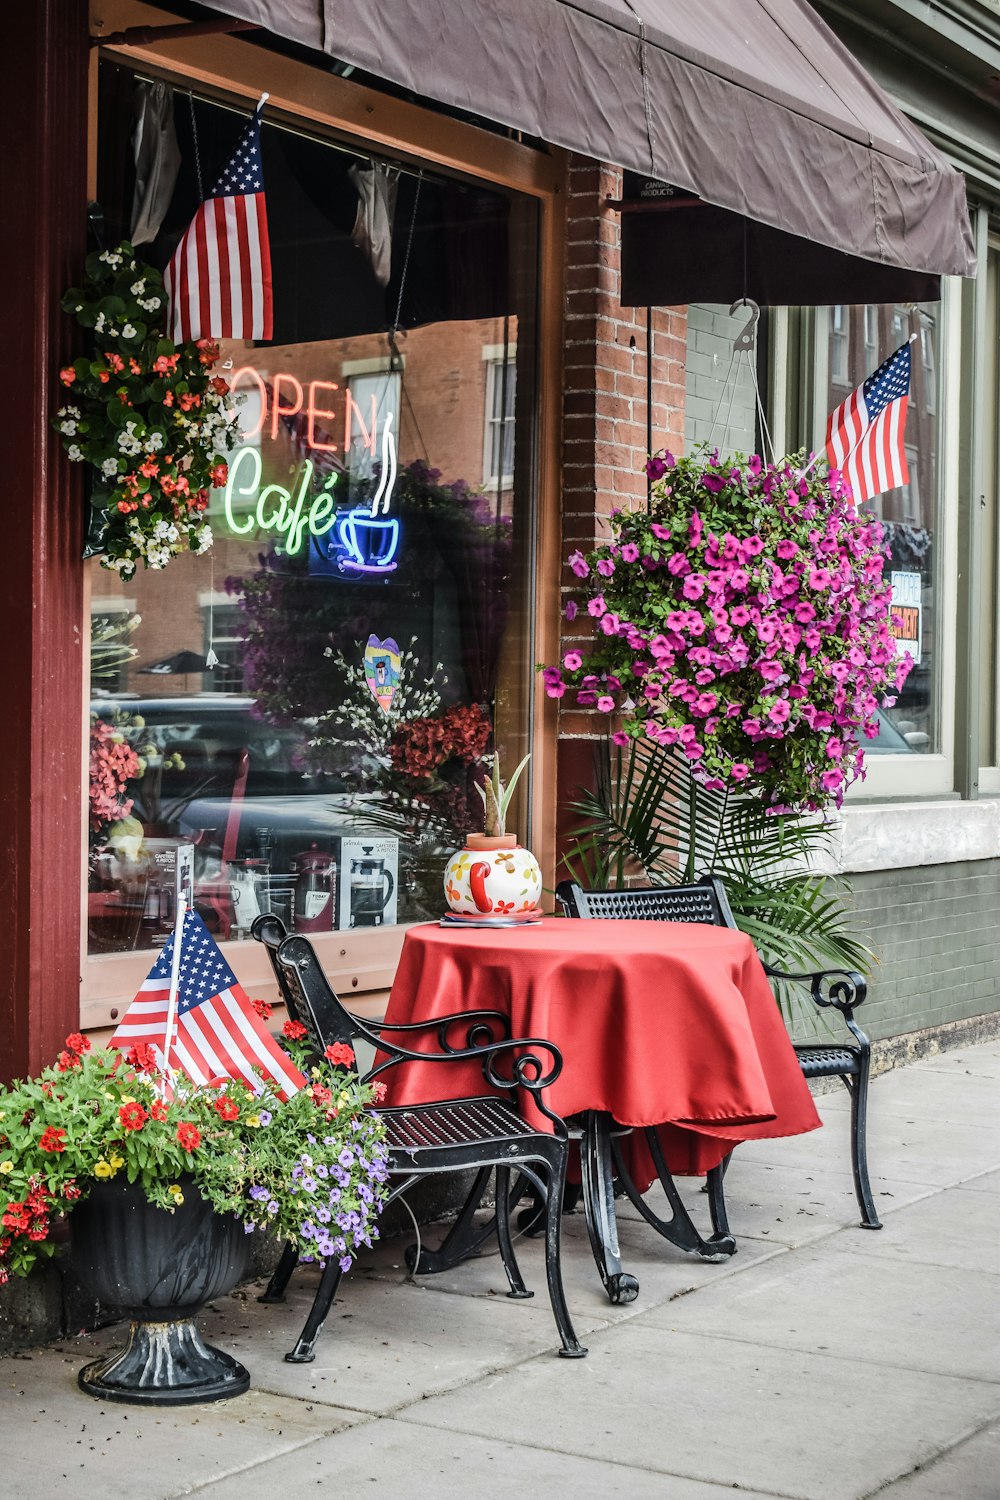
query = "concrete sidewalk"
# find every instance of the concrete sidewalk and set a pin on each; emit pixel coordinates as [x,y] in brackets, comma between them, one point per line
[823,1362]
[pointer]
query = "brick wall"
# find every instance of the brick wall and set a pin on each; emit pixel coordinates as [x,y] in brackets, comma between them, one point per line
[605,405]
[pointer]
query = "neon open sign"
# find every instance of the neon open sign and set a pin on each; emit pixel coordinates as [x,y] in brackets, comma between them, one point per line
[365,538]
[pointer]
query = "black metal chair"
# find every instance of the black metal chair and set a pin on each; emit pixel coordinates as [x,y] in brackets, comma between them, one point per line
[840,989]
[487,1133]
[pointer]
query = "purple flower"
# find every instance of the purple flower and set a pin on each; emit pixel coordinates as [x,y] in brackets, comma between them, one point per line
[265,1117]
[571,610]
[579,564]
[605,567]
[572,661]
[630,552]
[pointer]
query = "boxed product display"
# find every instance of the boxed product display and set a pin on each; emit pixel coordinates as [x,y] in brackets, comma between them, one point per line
[367,873]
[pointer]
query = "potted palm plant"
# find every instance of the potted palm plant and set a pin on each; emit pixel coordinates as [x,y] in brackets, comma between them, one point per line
[165,1183]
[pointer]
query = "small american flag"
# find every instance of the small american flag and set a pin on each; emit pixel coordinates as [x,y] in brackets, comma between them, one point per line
[217,1033]
[864,436]
[219,277]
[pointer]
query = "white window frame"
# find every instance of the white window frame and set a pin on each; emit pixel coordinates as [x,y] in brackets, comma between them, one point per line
[989,776]
[495,356]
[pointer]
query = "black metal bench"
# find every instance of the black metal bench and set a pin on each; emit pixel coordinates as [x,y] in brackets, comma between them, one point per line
[487,1133]
[842,990]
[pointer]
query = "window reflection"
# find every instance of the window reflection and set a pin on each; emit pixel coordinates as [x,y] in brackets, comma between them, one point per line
[364,604]
[860,339]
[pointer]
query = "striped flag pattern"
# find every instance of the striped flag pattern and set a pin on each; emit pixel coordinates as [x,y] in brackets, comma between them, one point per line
[219,277]
[217,1033]
[864,435]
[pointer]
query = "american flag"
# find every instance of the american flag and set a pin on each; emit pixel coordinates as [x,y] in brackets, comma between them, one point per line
[217,1032]
[864,436]
[219,277]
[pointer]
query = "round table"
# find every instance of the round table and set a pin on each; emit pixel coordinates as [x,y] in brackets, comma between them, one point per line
[661,1024]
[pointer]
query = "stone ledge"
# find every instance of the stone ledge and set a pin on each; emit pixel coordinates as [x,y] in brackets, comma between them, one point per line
[906,835]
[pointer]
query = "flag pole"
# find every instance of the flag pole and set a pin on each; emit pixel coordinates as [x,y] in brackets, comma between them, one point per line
[175,966]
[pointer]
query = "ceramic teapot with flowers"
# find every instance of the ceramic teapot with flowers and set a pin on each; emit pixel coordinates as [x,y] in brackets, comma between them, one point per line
[493,877]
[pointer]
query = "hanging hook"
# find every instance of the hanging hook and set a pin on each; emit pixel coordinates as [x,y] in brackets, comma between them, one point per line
[747,336]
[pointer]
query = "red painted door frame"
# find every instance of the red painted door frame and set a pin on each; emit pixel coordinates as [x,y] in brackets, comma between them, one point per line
[43,149]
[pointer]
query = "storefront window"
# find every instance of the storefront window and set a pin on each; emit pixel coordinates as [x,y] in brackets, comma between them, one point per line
[365,602]
[859,339]
[719,399]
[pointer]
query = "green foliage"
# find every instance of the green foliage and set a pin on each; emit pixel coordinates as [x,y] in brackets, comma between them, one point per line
[648,815]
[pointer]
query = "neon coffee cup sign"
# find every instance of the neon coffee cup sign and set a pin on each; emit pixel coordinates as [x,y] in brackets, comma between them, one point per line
[364,539]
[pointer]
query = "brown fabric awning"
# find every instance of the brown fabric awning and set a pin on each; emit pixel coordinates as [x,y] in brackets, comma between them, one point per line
[753,105]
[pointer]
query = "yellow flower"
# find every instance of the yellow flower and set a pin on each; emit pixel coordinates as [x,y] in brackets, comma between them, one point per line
[102,1169]
[252,1120]
[117,1162]
[6,1167]
[175,1193]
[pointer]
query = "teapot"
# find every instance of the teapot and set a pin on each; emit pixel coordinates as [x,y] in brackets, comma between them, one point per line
[492,877]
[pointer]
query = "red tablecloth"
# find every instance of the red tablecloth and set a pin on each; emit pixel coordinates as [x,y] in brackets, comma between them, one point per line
[659,1023]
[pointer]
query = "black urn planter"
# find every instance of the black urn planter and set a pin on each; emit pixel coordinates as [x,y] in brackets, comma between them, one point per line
[160,1268]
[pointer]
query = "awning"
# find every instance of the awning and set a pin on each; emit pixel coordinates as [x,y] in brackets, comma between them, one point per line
[754,106]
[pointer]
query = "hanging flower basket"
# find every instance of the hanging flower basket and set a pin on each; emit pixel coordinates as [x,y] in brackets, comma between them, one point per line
[147,415]
[745,619]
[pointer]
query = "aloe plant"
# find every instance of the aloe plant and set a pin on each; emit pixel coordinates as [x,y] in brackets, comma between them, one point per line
[648,816]
[496,797]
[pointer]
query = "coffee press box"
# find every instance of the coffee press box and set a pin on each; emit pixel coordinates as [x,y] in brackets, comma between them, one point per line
[367,877]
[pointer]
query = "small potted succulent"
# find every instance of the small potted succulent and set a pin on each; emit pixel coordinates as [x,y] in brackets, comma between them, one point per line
[165,1183]
[493,878]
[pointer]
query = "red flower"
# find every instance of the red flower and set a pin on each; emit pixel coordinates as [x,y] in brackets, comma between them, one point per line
[320,1096]
[67,375]
[77,1042]
[66,1061]
[227,1109]
[158,1110]
[262,1008]
[71,1192]
[294,1030]
[133,1116]
[219,475]
[39,1229]
[116,362]
[188,1135]
[340,1054]
[53,1139]
[220,386]
[165,364]
[379,1090]
[143,1057]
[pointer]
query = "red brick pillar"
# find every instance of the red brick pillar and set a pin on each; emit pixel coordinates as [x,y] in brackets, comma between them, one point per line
[605,413]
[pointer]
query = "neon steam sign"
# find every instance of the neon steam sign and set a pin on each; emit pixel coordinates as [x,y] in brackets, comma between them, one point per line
[363,539]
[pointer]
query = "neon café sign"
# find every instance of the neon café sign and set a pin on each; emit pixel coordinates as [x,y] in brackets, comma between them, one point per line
[364,539]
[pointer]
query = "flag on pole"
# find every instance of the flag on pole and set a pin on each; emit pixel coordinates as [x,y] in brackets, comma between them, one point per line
[864,435]
[217,1033]
[219,277]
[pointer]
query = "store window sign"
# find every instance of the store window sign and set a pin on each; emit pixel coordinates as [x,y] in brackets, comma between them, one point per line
[365,538]
[906,612]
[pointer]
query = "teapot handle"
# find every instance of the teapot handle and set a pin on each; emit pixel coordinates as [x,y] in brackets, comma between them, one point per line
[389,888]
[477,884]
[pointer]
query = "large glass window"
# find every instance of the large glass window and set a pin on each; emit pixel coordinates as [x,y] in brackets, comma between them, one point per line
[858,340]
[365,602]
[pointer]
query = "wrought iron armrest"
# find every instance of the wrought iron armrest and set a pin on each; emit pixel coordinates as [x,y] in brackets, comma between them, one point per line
[844,989]
[527,1069]
[482,1026]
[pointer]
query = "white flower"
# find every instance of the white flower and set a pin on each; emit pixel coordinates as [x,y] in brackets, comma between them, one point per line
[205,539]
[67,427]
[137,288]
[110,258]
[109,467]
[128,332]
[155,442]
[150,305]
[100,323]
[75,454]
